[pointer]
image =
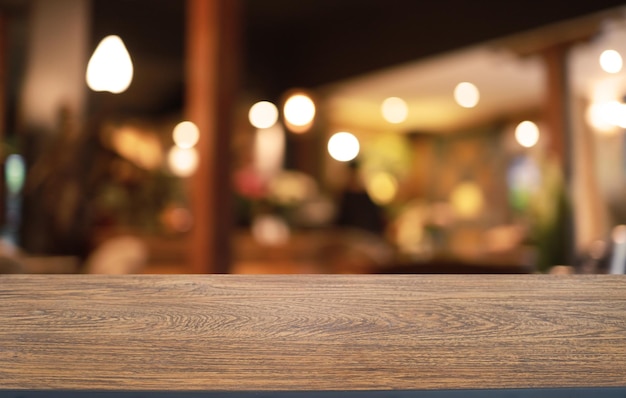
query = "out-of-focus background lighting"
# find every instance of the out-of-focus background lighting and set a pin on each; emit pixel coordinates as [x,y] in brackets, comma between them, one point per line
[611,61]
[606,116]
[394,110]
[270,230]
[269,150]
[299,112]
[292,187]
[382,187]
[467,200]
[142,149]
[263,115]
[183,162]
[110,67]
[466,95]
[186,135]
[527,134]
[343,146]
[15,172]
[177,219]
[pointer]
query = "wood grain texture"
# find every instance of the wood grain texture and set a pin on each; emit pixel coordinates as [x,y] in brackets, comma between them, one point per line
[235,332]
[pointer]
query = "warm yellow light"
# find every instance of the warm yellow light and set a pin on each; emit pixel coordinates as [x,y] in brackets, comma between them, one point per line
[343,146]
[186,134]
[110,67]
[467,200]
[611,61]
[382,188]
[140,147]
[527,134]
[466,95]
[183,162]
[606,116]
[395,110]
[299,110]
[291,187]
[263,115]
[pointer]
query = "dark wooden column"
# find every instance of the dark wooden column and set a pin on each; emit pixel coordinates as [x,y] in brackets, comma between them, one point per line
[558,119]
[557,112]
[4,76]
[211,83]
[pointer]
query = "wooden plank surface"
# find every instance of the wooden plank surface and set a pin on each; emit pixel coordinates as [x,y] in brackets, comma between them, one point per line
[235,332]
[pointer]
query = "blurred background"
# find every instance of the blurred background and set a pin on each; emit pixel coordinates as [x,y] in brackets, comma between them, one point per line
[312,136]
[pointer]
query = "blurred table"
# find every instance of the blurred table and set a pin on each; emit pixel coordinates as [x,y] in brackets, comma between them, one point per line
[240,332]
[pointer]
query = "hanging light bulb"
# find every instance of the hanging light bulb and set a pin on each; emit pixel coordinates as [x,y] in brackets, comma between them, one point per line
[110,67]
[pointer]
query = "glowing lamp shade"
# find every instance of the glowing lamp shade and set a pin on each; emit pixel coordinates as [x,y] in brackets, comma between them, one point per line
[110,68]
[394,110]
[466,95]
[299,112]
[611,61]
[527,134]
[263,115]
[343,146]
[186,135]
[182,162]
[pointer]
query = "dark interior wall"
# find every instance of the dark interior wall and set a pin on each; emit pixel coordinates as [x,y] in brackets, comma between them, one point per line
[307,43]
[311,42]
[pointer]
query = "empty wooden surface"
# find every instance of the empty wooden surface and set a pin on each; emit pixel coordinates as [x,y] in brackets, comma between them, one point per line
[311,332]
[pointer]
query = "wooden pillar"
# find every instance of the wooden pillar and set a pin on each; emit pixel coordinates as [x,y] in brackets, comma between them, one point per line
[211,82]
[3,110]
[3,74]
[559,122]
[557,106]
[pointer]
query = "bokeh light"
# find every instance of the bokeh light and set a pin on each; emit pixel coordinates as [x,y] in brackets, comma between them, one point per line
[141,147]
[466,95]
[177,219]
[394,110]
[186,134]
[270,230]
[527,134]
[110,67]
[611,61]
[606,116]
[382,187]
[619,234]
[15,172]
[299,111]
[292,187]
[343,146]
[467,200]
[263,114]
[269,150]
[183,162]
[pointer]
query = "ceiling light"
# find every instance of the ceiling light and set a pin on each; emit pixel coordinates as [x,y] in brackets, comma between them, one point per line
[466,95]
[263,115]
[110,67]
[394,110]
[343,146]
[611,61]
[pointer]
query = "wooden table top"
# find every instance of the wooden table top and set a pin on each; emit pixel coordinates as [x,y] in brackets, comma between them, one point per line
[235,332]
